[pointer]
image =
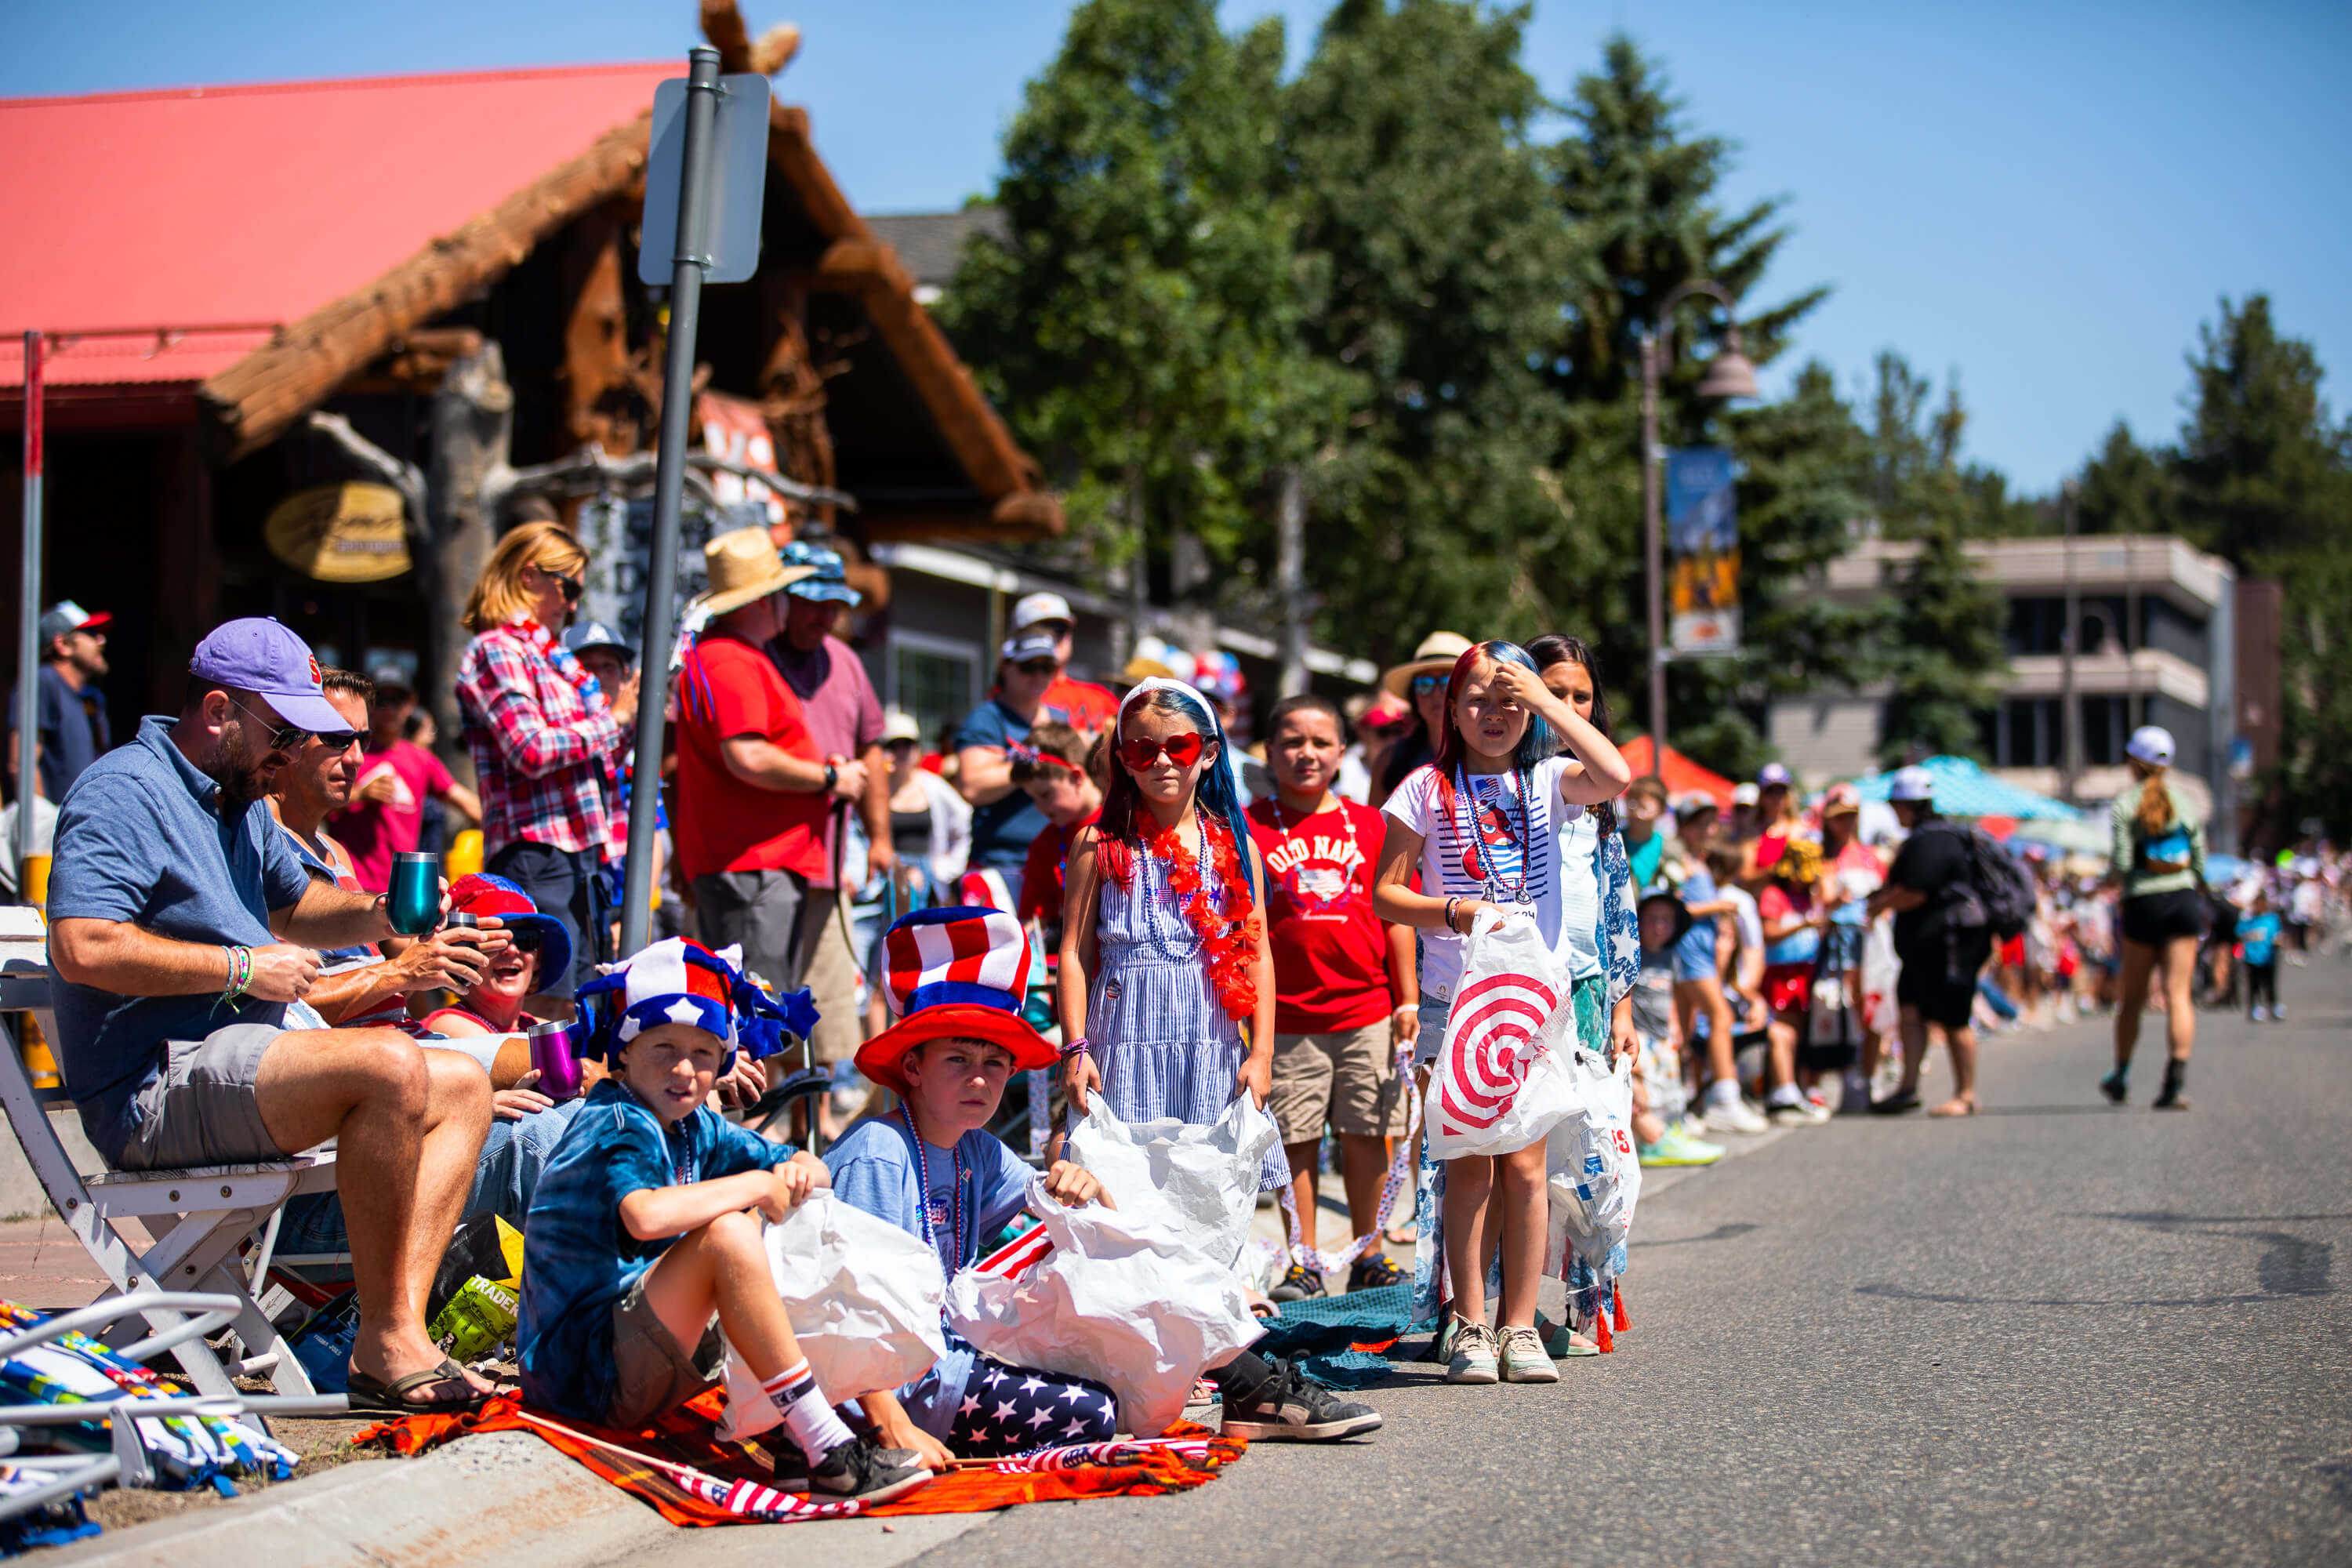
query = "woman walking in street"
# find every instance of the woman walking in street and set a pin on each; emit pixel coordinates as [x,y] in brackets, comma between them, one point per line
[2158,855]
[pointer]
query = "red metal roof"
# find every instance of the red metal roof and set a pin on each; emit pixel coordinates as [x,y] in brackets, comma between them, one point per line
[247,208]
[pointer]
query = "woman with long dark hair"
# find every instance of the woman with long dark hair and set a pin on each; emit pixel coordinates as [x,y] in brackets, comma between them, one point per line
[2159,856]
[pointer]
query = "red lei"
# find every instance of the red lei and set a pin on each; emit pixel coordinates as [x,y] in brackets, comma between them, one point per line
[1228,925]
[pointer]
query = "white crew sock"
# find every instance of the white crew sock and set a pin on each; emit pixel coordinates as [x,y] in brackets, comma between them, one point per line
[1787,1094]
[811,1420]
[1722,1091]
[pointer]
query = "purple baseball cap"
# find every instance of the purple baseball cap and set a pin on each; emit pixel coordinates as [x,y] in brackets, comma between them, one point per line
[1771,774]
[261,656]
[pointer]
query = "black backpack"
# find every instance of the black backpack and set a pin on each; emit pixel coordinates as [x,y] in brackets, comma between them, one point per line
[1999,891]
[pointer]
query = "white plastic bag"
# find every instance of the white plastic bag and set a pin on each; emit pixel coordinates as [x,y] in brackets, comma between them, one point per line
[865,1299]
[1594,1172]
[1200,1180]
[1129,1297]
[1880,970]
[1500,1081]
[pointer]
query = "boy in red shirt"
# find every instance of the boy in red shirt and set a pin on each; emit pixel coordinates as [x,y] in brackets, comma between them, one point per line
[1345,992]
[1050,767]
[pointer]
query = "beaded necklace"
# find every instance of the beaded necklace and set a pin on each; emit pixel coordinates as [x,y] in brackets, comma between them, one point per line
[1488,872]
[923,1179]
[1176,950]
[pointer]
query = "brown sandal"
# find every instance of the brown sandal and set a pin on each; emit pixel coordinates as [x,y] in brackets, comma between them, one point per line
[370,1398]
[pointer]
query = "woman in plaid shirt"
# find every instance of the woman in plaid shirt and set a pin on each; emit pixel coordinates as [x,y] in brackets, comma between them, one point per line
[542,737]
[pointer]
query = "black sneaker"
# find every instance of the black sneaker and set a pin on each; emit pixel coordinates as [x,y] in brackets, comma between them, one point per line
[2170,1097]
[2116,1087]
[1294,1408]
[1298,1282]
[859,1469]
[1374,1271]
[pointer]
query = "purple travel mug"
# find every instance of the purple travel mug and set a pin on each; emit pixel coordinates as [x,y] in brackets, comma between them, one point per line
[552,1054]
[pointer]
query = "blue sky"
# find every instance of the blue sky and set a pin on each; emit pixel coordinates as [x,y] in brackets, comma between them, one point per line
[2044,200]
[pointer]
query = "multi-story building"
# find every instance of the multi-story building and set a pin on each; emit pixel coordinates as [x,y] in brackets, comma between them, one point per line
[2157,643]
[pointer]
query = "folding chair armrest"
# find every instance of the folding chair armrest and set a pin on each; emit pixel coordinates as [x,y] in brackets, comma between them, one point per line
[75,1472]
[223,1406]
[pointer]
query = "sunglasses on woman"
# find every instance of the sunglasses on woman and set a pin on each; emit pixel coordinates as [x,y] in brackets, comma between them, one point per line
[573,587]
[1423,685]
[1142,751]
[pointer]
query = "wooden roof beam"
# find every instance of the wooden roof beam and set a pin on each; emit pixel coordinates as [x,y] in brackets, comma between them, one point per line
[254,400]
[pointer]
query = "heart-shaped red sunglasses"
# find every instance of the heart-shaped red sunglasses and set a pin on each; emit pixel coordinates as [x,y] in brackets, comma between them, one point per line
[1141,752]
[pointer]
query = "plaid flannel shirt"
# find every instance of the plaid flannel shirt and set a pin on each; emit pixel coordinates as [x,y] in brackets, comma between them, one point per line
[541,737]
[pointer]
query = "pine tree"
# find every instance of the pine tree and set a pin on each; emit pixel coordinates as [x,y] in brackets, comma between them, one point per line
[2261,468]
[2128,488]
[1945,652]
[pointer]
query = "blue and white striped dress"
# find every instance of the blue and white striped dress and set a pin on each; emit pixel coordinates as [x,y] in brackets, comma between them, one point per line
[1164,1043]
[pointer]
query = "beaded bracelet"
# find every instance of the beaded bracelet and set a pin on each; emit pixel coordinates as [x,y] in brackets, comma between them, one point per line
[1073,1048]
[240,973]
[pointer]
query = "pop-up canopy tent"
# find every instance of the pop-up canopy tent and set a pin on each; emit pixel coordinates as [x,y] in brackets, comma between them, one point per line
[1682,776]
[1964,789]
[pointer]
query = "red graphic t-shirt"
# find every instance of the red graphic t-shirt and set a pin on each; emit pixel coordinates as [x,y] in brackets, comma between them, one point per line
[1331,950]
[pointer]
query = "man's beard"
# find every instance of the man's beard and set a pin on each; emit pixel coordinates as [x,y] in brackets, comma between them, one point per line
[238,769]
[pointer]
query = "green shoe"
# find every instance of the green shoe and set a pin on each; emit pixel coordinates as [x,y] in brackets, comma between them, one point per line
[1677,1147]
[1558,1342]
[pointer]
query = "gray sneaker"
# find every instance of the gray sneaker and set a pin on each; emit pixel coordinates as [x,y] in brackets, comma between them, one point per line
[1474,1354]
[1524,1360]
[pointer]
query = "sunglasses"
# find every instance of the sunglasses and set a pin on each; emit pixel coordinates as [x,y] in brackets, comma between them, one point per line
[1038,667]
[1142,751]
[338,739]
[525,939]
[283,737]
[900,745]
[573,587]
[1424,684]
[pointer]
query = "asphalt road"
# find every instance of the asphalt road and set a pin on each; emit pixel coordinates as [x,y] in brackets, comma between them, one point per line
[2056,1333]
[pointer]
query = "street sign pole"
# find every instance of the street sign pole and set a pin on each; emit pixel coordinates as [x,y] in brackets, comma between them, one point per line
[29,616]
[688,261]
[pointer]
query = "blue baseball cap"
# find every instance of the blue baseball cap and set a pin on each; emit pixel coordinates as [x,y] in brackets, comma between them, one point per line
[830,581]
[261,656]
[586,635]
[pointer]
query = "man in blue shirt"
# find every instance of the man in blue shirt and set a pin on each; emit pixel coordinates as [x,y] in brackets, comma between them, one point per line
[183,926]
[73,727]
[1003,818]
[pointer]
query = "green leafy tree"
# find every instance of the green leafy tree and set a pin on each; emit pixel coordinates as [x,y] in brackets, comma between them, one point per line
[2128,488]
[2261,468]
[1135,325]
[2312,778]
[1430,255]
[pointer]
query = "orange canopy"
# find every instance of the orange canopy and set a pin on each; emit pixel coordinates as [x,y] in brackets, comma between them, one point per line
[1682,775]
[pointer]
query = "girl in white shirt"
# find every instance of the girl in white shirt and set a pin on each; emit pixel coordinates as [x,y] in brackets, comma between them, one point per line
[1498,821]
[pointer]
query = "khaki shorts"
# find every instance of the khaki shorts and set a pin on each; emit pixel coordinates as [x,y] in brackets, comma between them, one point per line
[201,1108]
[651,1375]
[1346,1077]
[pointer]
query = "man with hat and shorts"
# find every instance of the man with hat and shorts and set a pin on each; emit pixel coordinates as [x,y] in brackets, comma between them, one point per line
[73,727]
[185,926]
[1940,959]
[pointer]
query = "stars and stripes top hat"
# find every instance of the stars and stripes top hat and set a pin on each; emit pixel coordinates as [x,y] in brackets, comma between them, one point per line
[955,973]
[681,982]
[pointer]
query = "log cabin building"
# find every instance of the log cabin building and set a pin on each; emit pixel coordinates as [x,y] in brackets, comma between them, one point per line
[262,297]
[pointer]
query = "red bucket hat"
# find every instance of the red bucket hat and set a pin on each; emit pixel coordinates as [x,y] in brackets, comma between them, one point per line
[955,973]
[482,895]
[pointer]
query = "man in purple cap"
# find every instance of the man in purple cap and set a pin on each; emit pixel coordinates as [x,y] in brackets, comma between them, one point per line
[182,928]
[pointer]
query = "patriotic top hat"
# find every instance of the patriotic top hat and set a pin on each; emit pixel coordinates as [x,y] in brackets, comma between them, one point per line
[681,982]
[480,894]
[955,973]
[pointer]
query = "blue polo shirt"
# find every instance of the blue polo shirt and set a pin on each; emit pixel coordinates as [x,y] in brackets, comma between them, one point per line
[140,840]
[74,730]
[579,1260]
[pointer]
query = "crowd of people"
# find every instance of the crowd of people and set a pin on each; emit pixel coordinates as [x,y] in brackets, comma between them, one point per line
[1108,891]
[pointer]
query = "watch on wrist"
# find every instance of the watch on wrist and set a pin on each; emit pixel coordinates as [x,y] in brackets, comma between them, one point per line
[832,776]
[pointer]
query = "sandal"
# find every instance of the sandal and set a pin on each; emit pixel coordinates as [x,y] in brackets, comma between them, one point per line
[371,1398]
[1895,1104]
[1955,1107]
[1560,1341]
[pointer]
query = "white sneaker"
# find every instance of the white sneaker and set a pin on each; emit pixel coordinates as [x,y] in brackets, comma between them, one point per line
[2260,1015]
[1732,1115]
[1797,1112]
[1524,1358]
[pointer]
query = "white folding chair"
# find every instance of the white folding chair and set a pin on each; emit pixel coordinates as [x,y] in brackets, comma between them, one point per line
[200,1219]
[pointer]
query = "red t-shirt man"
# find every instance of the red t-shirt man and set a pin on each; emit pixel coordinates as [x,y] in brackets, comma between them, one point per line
[727,689]
[1331,950]
[372,831]
[1081,704]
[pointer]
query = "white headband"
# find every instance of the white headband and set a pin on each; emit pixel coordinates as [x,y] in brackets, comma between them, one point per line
[1152,683]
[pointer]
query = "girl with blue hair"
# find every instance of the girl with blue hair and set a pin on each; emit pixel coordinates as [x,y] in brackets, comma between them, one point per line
[1164,961]
[1502,818]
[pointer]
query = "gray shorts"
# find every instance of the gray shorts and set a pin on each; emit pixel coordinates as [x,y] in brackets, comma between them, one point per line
[775,915]
[651,1375]
[202,1109]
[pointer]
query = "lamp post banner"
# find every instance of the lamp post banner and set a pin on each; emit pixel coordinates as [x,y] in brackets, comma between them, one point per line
[1703,540]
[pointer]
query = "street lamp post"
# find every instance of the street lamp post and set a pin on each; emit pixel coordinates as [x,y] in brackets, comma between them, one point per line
[1729,374]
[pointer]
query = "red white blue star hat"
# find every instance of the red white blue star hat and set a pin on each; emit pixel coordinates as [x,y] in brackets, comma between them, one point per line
[955,973]
[681,982]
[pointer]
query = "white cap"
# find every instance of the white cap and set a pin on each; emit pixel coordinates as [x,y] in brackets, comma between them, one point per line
[899,725]
[1032,608]
[1912,784]
[1744,793]
[2151,744]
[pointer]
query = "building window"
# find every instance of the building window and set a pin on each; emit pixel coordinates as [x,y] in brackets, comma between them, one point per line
[2036,626]
[2026,734]
[2107,725]
[937,680]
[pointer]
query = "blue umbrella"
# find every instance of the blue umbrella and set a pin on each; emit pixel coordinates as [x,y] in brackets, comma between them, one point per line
[1964,789]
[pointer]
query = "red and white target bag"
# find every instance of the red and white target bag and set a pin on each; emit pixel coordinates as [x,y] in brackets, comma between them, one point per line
[1502,1080]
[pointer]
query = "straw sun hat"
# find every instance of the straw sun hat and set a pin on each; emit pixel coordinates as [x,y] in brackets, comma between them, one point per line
[743,566]
[1436,656]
